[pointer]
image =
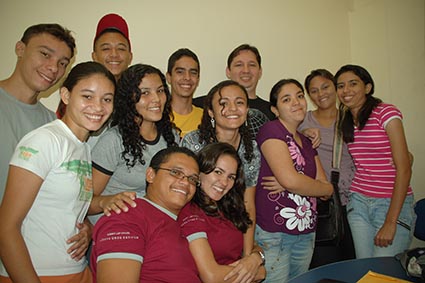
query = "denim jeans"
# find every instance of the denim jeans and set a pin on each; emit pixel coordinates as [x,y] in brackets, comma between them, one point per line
[286,255]
[366,216]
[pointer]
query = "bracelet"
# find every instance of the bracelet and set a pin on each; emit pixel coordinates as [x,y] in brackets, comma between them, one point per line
[263,258]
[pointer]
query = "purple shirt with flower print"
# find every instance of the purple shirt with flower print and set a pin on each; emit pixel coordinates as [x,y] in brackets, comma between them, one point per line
[286,212]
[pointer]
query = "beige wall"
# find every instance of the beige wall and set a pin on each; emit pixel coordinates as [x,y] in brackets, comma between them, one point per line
[387,37]
[286,32]
[294,36]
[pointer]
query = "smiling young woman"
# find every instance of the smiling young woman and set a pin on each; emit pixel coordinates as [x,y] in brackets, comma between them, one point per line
[286,213]
[225,120]
[320,86]
[216,219]
[380,190]
[49,186]
[140,127]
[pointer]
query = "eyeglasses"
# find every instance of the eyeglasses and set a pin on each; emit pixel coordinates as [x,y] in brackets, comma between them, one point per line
[176,173]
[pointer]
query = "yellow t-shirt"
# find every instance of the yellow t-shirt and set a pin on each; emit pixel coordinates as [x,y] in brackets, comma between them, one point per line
[189,122]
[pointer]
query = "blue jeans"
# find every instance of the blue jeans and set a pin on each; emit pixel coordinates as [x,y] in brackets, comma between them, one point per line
[366,216]
[286,255]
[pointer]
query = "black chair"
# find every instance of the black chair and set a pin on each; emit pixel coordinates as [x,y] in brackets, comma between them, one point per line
[420,219]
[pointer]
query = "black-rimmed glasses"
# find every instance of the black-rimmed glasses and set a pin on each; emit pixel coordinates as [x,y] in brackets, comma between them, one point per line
[176,173]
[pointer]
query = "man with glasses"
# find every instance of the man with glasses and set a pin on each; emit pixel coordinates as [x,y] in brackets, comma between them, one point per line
[144,244]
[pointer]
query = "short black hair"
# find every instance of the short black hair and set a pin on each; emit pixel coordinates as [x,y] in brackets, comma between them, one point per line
[55,30]
[163,155]
[182,52]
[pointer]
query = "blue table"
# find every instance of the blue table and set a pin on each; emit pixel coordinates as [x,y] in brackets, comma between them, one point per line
[352,270]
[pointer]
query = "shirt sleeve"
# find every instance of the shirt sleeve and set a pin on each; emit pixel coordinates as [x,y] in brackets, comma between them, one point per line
[269,131]
[192,222]
[38,152]
[388,113]
[106,154]
[120,236]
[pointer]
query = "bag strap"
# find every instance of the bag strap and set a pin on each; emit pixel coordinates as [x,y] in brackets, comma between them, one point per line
[336,156]
[337,146]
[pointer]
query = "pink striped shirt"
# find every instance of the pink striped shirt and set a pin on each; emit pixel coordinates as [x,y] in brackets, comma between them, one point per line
[371,152]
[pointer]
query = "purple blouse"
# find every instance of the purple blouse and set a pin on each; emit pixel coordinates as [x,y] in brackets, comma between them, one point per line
[286,212]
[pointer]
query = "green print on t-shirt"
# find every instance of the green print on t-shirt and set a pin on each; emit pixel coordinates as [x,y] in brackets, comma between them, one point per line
[83,170]
[26,153]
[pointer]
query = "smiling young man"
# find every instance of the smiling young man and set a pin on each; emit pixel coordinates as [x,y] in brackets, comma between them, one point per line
[43,53]
[244,67]
[144,244]
[183,76]
[111,46]
[112,49]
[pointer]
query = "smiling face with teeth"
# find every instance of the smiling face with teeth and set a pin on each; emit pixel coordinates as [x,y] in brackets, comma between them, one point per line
[352,91]
[245,70]
[322,92]
[152,100]
[221,179]
[89,104]
[112,50]
[42,61]
[168,191]
[229,108]
[184,77]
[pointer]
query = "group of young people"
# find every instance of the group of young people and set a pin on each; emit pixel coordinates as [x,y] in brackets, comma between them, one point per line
[223,192]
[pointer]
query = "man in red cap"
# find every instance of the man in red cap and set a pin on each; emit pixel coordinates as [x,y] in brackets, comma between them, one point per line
[111,48]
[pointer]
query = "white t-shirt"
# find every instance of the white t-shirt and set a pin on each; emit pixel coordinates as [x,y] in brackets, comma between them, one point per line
[56,155]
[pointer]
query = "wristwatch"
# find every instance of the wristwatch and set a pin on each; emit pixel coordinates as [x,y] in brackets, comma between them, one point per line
[263,258]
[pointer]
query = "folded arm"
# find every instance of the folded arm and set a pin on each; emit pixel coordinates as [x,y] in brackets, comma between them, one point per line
[277,155]
[212,272]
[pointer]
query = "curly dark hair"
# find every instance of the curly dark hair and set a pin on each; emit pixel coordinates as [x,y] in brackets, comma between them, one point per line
[231,205]
[207,133]
[126,97]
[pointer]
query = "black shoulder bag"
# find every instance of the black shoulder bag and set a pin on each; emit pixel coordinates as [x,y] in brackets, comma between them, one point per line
[330,225]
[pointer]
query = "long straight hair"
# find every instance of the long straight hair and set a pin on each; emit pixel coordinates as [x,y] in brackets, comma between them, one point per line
[346,125]
[231,205]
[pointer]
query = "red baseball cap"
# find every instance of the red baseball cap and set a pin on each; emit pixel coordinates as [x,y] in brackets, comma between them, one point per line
[112,22]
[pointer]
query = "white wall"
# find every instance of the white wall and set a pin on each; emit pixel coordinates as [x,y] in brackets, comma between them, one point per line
[388,39]
[287,33]
[294,36]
